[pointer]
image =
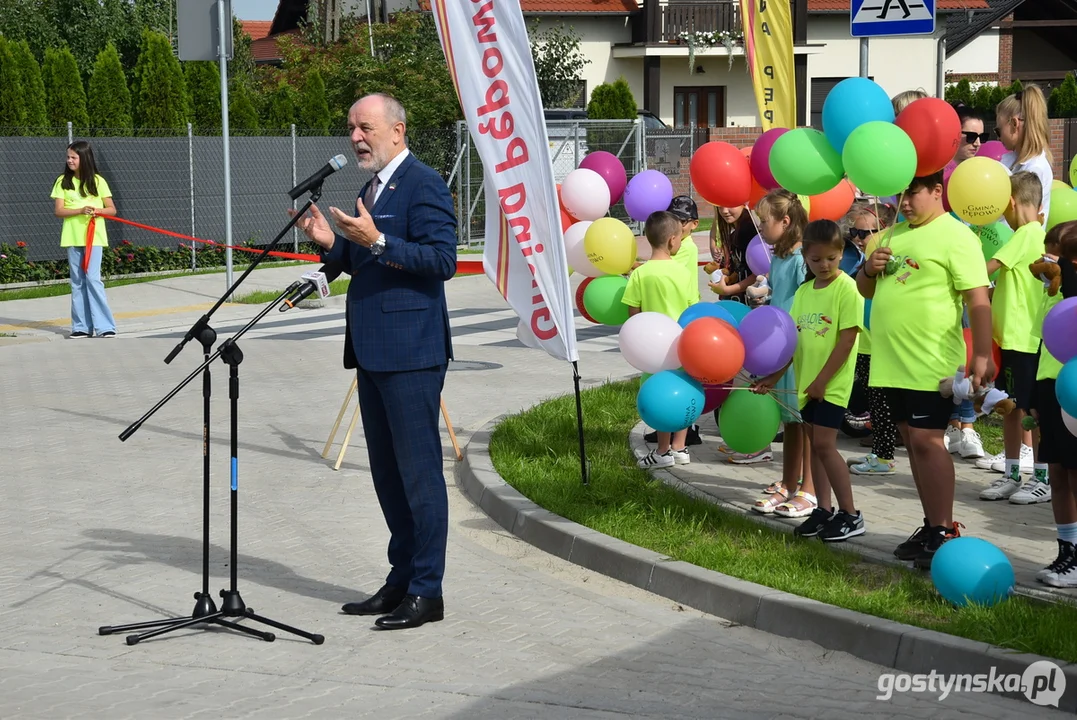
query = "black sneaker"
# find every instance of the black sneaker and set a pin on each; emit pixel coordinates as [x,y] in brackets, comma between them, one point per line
[842,527]
[108,334]
[909,549]
[1065,552]
[815,522]
[79,335]
[936,536]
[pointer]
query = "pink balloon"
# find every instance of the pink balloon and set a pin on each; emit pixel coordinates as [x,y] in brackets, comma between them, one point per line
[946,173]
[760,160]
[714,396]
[611,169]
[992,149]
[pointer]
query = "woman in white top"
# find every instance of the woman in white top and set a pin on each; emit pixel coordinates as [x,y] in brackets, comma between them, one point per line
[1021,125]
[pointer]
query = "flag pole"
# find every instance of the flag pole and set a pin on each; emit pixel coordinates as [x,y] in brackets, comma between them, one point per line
[579,423]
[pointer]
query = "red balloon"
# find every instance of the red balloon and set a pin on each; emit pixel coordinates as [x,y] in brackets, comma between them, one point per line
[834,203]
[935,130]
[721,175]
[714,396]
[758,191]
[996,354]
[579,301]
[710,350]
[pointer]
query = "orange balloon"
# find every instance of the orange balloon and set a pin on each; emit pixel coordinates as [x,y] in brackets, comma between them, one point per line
[996,354]
[710,350]
[758,191]
[834,203]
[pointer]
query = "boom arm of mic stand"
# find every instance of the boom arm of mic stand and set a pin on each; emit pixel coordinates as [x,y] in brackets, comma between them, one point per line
[203,321]
[133,427]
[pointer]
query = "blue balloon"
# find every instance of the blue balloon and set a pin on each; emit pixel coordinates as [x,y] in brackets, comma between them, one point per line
[970,570]
[705,309]
[737,309]
[849,105]
[1066,387]
[670,401]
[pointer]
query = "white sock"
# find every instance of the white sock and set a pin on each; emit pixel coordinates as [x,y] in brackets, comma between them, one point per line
[1013,468]
[1039,471]
[1068,532]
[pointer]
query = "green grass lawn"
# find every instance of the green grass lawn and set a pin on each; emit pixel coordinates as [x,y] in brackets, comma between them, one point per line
[260,297]
[537,453]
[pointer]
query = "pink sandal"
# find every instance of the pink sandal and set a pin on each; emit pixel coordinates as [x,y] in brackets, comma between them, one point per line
[766,506]
[800,505]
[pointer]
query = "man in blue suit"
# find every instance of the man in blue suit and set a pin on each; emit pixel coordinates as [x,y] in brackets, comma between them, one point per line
[400,248]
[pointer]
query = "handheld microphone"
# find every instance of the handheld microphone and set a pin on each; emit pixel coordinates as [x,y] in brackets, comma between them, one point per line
[314,180]
[315,282]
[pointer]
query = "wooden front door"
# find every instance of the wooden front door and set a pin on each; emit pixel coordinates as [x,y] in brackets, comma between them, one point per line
[705,106]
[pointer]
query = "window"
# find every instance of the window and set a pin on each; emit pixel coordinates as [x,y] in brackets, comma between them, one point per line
[705,106]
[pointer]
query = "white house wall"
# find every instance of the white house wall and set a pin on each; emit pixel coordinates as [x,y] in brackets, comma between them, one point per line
[597,35]
[978,57]
[740,107]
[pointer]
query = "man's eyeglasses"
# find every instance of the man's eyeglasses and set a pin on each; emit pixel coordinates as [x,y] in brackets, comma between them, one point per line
[856,233]
[970,137]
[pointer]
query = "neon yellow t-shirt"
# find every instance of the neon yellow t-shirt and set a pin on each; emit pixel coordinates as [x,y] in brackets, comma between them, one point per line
[688,255]
[916,313]
[820,316]
[1018,297]
[1049,367]
[661,286]
[74,230]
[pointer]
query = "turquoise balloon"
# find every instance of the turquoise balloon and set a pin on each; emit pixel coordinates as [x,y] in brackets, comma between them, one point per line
[804,162]
[736,309]
[880,159]
[867,314]
[1066,387]
[852,103]
[670,401]
[968,570]
[705,309]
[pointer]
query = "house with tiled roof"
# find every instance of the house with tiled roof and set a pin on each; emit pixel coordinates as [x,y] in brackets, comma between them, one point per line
[643,41]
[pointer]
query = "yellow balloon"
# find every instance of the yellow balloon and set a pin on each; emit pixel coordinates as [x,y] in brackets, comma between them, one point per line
[979,190]
[1063,207]
[805,200]
[610,246]
[1059,185]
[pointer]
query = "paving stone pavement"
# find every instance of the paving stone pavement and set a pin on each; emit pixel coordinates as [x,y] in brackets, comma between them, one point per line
[99,532]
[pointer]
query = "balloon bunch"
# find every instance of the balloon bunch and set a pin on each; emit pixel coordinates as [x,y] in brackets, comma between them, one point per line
[695,361]
[603,248]
[1060,339]
[1064,200]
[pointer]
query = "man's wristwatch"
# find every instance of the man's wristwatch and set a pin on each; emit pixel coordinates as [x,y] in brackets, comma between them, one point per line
[379,245]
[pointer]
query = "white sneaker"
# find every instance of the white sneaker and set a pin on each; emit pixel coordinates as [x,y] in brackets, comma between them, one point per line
[1066,577]
[988,463]
[971,444]
[1032,492]
[680,457]
[1025,458]
[653,460]
[1065,554]
[1001,489]
[952,439]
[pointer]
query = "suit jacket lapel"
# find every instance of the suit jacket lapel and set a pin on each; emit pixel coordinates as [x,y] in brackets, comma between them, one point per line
[390,187]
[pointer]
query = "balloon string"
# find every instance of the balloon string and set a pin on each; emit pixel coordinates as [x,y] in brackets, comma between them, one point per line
[766,248]
[890,234]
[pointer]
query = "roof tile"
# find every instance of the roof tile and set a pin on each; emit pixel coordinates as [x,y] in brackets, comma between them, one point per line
[844,5]
[257,29]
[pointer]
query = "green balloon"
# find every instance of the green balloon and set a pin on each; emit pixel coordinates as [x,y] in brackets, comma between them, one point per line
[993,237]
[749,422]
[880,158]
[1063,207]
[602,300]
[804,162]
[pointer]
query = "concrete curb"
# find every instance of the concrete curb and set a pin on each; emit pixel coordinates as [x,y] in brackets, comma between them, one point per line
[891,644]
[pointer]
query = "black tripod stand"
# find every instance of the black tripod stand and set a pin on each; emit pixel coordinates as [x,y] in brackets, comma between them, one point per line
[205,611]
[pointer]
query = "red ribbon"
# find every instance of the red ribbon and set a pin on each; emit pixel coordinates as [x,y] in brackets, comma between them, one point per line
[181,236]
[89,244]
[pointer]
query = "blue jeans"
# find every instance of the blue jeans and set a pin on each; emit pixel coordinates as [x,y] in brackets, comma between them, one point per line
[89,307]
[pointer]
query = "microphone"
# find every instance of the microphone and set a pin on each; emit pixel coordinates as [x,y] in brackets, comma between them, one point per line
[315,282]
[314,180]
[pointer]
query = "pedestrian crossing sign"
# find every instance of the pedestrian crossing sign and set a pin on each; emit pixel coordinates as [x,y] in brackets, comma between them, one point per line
[878,18]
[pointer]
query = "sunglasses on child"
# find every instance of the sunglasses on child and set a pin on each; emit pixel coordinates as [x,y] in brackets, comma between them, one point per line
[855,233]
[970,137]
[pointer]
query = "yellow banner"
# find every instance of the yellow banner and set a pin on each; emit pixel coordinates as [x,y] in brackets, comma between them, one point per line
[768,44]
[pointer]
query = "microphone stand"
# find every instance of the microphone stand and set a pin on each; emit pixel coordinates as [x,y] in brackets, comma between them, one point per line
[205,610]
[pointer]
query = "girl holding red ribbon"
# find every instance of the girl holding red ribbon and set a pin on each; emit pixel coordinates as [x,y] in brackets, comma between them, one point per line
[81,195]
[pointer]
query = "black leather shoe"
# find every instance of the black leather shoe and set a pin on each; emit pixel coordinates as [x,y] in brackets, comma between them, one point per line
[383,601]
[412,612]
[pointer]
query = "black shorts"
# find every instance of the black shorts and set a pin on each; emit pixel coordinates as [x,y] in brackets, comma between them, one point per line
[1017,376]
[823,414]
[1057,446]
[924,409]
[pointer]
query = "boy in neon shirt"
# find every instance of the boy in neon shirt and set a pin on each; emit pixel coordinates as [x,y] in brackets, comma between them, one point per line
[1015,306]
[662,285]
[917,279]
[684,209]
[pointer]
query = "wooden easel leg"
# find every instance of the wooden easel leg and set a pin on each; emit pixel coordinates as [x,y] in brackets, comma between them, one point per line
[340,415]
[452,434]
[347,438]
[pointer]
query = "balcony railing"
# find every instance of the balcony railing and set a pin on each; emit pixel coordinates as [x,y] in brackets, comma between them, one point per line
[665,21]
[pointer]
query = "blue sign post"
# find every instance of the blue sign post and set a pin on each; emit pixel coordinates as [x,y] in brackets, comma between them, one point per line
[879,18]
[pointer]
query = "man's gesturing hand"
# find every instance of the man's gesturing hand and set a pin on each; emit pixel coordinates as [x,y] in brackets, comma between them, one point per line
[359,230]
[316,227]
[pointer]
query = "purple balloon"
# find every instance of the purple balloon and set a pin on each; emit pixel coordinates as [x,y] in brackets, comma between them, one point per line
[1060,330]
[760,160]
[992,149]
[714,396]
[648,192]
[770,337]
[611,169]
[758,256]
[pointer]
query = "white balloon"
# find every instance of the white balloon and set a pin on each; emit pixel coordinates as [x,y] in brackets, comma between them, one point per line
[648,342]
[585,195]
[1070,422]
[577,253]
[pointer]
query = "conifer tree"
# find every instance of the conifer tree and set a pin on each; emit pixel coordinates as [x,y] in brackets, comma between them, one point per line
[65,98]
[110,100]
[33,90]
[313,111]
[160,93]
